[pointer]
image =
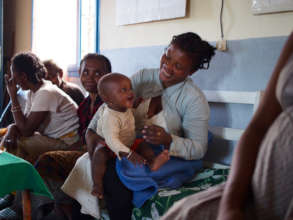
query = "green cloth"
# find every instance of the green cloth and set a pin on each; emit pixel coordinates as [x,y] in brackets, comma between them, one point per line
[17,174]
[164,199]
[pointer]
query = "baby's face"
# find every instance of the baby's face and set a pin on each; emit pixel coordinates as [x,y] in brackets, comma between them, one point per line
[120,95]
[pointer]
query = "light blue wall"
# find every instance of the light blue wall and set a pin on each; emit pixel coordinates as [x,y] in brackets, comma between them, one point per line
[246,66]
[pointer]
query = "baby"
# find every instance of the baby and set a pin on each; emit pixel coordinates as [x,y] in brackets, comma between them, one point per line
[117,126]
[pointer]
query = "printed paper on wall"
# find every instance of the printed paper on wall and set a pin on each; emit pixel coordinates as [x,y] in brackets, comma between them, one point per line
[270,6]
[138,11]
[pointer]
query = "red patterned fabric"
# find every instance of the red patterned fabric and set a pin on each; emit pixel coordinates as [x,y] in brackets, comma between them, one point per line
[136,144]
[85,116]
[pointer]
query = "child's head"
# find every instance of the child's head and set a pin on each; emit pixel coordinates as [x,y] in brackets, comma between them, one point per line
[116,91]
[54,72]
[92,67]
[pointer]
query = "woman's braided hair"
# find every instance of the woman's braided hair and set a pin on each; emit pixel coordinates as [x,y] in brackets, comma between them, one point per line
[29,64]
[200,51]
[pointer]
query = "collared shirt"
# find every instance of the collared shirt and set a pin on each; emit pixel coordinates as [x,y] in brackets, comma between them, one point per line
[85,115]
[185,108]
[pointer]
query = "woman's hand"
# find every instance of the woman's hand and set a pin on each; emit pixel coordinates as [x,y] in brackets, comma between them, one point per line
[156,135]
[10,139]
[10,85]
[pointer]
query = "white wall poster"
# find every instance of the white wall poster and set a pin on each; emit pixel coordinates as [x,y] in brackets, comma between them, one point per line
[138,11]
[270,6]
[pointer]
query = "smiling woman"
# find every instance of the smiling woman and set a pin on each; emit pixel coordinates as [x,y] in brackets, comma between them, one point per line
[182,100]
[185,55]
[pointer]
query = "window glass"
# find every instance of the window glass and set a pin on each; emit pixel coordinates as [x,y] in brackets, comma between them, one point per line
[64,30]
[88,27]
[55,30]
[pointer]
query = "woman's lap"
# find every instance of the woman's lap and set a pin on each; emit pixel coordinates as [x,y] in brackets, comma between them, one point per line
[79,185]
[118,198]
[30,148]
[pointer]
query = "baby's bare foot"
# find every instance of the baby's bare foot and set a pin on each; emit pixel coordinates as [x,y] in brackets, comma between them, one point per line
[160,160]
[98,191]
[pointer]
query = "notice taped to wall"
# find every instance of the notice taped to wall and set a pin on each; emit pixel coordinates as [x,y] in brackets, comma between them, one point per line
[138,11]
[271,6]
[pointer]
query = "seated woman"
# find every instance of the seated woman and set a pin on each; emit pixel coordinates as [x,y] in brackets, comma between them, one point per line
[50,120]
[92,67]
[260,185]
[55,166]
[185,112]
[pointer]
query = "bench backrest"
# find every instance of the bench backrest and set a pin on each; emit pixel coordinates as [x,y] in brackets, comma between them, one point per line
[225,138]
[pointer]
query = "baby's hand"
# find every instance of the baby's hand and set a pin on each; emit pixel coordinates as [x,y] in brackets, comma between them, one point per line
[135,158]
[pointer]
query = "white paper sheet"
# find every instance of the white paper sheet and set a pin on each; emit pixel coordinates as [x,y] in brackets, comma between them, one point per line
[270,6]
[138,11]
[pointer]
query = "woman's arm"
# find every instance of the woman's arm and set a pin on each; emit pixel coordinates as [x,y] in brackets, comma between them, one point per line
[191,144]
[187,137]
[10,138]
[190,147]
[244,159]
[146,83]
[26,125]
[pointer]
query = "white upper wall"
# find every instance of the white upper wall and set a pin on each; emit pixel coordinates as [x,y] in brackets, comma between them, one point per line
[202,18]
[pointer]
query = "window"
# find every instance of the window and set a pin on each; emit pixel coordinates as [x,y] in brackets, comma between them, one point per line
[88,27]
[64,30]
